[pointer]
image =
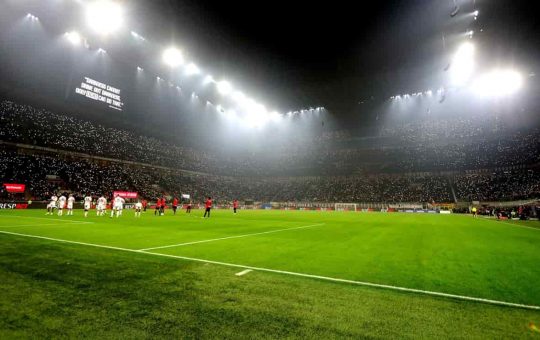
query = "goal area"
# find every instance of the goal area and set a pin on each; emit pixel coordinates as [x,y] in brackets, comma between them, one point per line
[346,206]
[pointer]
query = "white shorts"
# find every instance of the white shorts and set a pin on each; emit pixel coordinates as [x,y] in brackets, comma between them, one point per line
[100,207]
[51,205]
[62,206]
[70,205]
[118,207]
[87,206]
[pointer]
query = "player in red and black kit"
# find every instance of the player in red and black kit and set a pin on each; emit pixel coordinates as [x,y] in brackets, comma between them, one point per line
[158,206]
[144,204]
[174,205]
[208,206]
[163,206]
[235,205]
[188,208]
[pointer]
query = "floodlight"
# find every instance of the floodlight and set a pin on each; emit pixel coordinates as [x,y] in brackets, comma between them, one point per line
[239,97]
[139,68]
[475,13]
[100,50]
[173,57]
[462,65]
[498,83]
[74,38]
[274,116]
[208,79]
[224,87]
[192,69]
[137,36]
[104,16]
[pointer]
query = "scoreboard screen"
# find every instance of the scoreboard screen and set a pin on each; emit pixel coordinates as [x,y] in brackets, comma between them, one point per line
[97,91]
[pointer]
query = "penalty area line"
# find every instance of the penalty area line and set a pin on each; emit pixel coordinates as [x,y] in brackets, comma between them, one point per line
[231,237]
[318,277]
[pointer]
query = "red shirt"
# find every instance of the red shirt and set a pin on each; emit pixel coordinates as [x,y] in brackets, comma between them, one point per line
[144,203]
[158,203]
[208,204]
[235,204]
[175,202]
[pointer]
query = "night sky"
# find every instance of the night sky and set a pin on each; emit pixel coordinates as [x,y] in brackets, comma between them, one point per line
[337,54]
[292,55]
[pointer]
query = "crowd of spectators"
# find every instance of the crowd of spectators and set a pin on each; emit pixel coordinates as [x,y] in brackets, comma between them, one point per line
[45,174]
[316,171]
[458,144]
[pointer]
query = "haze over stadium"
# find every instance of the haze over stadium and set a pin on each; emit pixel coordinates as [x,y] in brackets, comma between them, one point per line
[180,168]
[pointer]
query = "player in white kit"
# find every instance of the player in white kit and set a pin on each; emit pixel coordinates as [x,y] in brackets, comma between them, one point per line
[70,202]
[61,205]
[52,205]
[138,209]
[87,205]
[101,206]
[118,206]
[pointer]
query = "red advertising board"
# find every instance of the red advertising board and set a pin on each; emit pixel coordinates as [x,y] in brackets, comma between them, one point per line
[14,188]
[125,194]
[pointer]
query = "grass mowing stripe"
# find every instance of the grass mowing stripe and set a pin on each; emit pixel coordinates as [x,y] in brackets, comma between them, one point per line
[40,225]
[324,278]
[47,218]
[231,237]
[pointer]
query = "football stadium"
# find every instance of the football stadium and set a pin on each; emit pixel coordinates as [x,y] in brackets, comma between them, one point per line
[193,169]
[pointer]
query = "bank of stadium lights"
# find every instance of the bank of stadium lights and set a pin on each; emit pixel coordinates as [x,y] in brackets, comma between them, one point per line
[224,87]
[74,38]
[208,79]
[497,83]
[462,66]
[104,16]
[137,36]
[173,57]
[192,69]
[32,17]
[140,69]
[102,51]
[475,14]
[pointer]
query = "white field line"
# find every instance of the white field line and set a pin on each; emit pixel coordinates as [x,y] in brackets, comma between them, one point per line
[517,225]
[48,219]
[243,272]
[40,225]
[231,237]
[323,278]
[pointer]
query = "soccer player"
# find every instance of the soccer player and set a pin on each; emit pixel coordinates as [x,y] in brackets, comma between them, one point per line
[144,204]
[87,205]
[158,206]
[99,206]
[52,205]
[162,207]
[188,208]
[474,212]
[70,202]
[235,205]
[175,205]
[138,208]
[208,206]
[118,206]
[61,205]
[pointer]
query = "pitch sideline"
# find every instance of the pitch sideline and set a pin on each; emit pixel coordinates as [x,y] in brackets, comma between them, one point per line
[323,278]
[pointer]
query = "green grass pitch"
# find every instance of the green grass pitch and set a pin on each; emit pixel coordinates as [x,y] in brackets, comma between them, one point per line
[304,275]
